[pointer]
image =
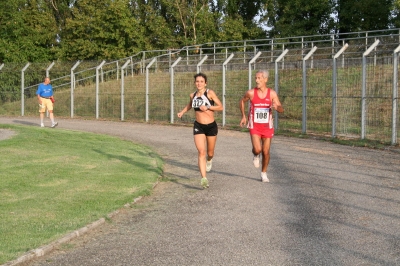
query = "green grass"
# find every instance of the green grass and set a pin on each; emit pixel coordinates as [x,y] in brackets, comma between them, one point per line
[56,181]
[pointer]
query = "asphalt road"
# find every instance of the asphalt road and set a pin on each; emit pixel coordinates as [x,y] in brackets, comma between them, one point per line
[326,204]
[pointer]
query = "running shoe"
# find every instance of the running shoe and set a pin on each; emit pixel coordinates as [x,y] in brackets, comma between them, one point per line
[256,161]
[55,124]
[208,165]
[264,177]
[41,125]
[204,182]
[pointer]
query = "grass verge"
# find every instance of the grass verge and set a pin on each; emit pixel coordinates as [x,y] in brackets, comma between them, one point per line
[56,181]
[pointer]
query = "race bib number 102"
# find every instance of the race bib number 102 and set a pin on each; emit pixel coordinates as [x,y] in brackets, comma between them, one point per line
[261,115]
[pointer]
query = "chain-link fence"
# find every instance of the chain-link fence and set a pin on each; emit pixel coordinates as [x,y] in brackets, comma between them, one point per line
[334,87]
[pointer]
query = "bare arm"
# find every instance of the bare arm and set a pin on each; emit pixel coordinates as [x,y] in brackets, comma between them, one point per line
[247,96]
[276,104]
[217,103]
[187,107]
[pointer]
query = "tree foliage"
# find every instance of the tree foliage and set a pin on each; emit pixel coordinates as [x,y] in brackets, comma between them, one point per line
[360,15]
[28,31]
[92,33]
[299,17]
[47,30]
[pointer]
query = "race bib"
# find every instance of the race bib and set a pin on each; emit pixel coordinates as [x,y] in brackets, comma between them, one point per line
[261,115]
[196,103]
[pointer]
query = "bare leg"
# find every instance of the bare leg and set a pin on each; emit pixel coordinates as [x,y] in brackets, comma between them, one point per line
[41,118]
[266,145]
[256,142]
[200,142]
[51,115]
[211,141]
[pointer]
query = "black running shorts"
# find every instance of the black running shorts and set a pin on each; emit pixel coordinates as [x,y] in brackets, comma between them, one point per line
[206,129]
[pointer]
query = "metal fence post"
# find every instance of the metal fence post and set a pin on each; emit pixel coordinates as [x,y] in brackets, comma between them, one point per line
[117,63]
[131,65]
[123,89]
[97,88]
[224,87]
[252,61]
[73,86]
[214,53]
[172,88]
[48,69]
[334,88]
[304,112]
[280,58]
[143,62]
[364,88]
[23,89]
[147,87]
[200,63]
[395,95]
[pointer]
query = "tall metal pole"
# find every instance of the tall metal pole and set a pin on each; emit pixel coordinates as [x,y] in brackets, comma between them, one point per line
[48,69]
[334,88]
[364,88]
[279,59]
[252,61]
[123,89]
[23,89]
[147,87]
[97,88]
[304,111]
[73,86]
[172,88]
[395,95]
[224,87]
[200,63]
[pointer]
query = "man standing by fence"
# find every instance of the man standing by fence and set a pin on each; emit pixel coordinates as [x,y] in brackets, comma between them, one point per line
[260,123]
[46,100]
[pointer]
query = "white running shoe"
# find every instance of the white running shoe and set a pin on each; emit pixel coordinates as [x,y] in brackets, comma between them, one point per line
[208,165]
[204,182]
[256,161]
[264,177]
[55,124]
[42,125]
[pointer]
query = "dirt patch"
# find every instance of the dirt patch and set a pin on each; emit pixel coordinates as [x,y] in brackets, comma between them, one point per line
[6,134]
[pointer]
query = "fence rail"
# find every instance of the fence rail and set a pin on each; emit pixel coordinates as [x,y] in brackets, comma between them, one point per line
[344,87]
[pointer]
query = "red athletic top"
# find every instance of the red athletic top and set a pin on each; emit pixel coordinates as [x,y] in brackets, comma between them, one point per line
[260,114]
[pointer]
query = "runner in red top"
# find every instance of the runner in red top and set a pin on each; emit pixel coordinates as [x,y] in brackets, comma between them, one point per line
[263,101]
[260,115]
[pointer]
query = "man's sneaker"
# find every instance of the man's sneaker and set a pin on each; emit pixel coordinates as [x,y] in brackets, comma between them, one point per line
[208,165]
[41,125]
[264,177]
[54,124]
[204,182]
[256,161]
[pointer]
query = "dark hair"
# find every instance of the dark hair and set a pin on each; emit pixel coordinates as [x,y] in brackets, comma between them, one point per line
[201,75]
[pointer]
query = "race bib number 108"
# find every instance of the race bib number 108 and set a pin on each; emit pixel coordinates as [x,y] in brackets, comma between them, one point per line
[261,115]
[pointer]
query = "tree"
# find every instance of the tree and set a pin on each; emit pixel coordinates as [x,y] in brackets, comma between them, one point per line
[184,18]
[101,29]
[246,12]
[28,32]
[395,18]
[299,17]
[363,15]
[152,16]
